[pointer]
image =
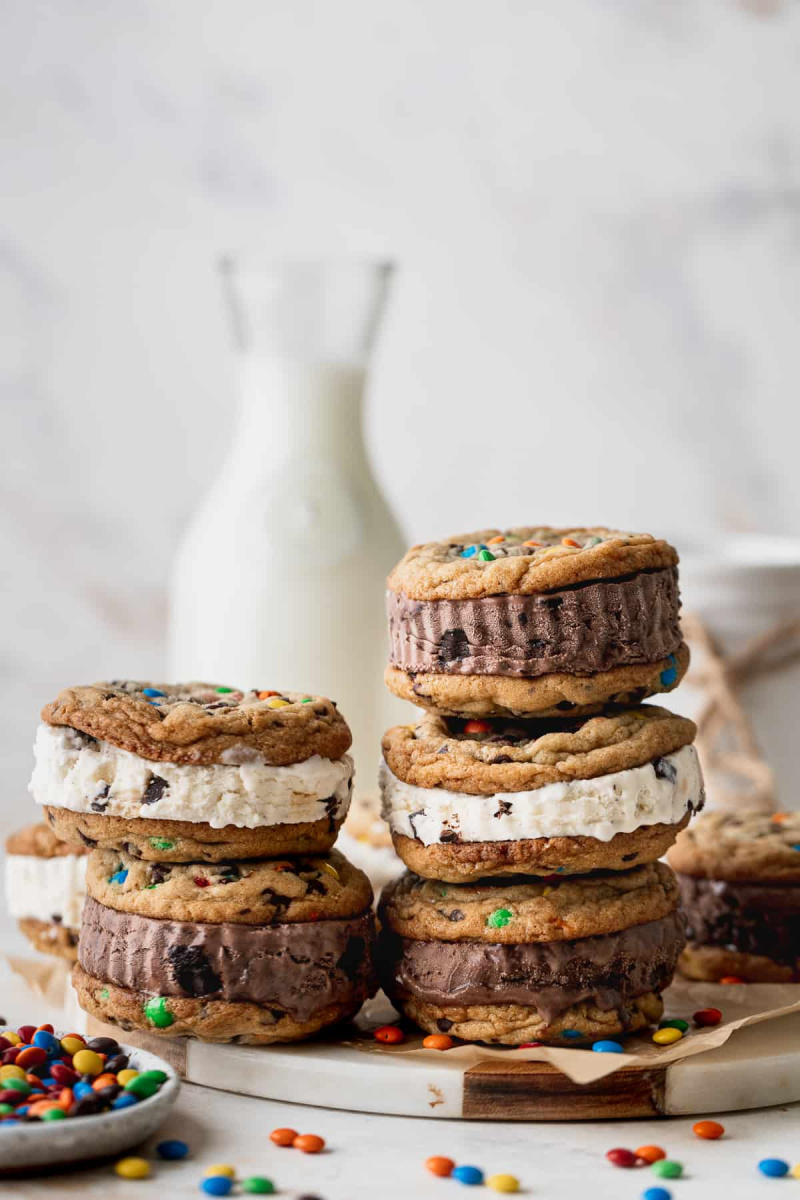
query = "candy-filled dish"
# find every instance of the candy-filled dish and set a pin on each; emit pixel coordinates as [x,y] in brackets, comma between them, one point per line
[74,1099]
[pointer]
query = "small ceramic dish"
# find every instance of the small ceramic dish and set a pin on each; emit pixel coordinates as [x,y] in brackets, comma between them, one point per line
[40,1144]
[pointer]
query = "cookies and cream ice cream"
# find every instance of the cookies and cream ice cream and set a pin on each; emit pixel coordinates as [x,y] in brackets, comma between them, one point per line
[84,774]
[662,791]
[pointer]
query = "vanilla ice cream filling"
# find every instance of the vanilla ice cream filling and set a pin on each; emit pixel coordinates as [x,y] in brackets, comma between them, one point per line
[47,889]
[84,774]
[662,791]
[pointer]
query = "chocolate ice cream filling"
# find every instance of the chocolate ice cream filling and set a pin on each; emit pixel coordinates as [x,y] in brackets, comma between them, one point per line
[580,630]
[752,918]
[608,970]
[298,968]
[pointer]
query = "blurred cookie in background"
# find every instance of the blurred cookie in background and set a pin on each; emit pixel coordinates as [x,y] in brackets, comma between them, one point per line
[45,888]
[365,839]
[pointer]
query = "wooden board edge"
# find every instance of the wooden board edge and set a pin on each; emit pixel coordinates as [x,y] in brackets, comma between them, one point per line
[495,1091]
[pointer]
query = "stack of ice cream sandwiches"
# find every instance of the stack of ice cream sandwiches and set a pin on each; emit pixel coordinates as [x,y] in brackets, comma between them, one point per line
[45,887]
[216,905]
[739,877]
[535,795]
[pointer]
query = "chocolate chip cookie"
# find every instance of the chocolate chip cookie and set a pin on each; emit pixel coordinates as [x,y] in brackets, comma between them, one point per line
[194,771]
[739,876]
[511,962]
[254,952]
[471,799]
[535,622]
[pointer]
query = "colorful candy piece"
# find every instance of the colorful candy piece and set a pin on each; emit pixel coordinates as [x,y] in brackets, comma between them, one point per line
[675,1023]
[656,1193]
[571,1034]
[283,1137]
[132,1168]
[437,1164]
[471,1176]
[650,1154]
[710,1130]
[216,1185]
[607,1047]
[156,1011]
[438,1041]
[389,1034]
[309,1143]
[620,1157]
[172,1149]
[774,1168]
[87,1062]
[222,1169]
[503,1183]
[499,918]
[707,1016]
[257,1185]
[666,1037]
[730,979]
[667,1168]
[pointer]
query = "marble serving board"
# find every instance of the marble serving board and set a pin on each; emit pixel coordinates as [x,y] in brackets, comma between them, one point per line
[757,1067]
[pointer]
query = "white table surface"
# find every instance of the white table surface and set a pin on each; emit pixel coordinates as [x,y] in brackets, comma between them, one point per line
[375,1156]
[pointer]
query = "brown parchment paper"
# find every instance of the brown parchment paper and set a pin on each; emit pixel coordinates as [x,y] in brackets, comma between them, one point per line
[741,1004]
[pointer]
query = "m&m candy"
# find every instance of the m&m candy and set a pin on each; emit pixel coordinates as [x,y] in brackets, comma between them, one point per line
[439,1165]
[775,1168]
[471,1176]
[710,1130]
[620,1157]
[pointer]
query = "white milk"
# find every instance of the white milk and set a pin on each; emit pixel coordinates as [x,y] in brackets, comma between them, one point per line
[280,580]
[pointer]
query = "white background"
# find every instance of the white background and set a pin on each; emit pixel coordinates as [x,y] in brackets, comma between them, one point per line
[597,211]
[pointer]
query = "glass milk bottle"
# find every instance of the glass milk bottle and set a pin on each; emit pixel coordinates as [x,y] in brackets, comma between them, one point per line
[280,579]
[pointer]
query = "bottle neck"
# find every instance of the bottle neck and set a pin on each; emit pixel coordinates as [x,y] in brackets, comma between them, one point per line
[290,408]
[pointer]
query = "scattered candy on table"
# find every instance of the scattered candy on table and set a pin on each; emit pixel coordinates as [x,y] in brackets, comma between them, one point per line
[503,1183]
[216,1185]
[708,1129]
[439,1165]
[666,1036]
[775,1168]
[438,1041]
[667,1168]
[309,1143]
[132,1168]
[391,1035]
[657,1193]
[607,1047]
[471,1176]
[283,1137]
[222,1169]
[707,1016]
[620,1157]
[257,1185]
[172,1149]
[47,1078]
[674,1023]
[650,1154]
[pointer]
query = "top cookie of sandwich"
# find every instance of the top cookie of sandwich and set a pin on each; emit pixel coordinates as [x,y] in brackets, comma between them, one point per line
[484,757]
[743,847]
[39,841]
[203,723]
[524,560]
